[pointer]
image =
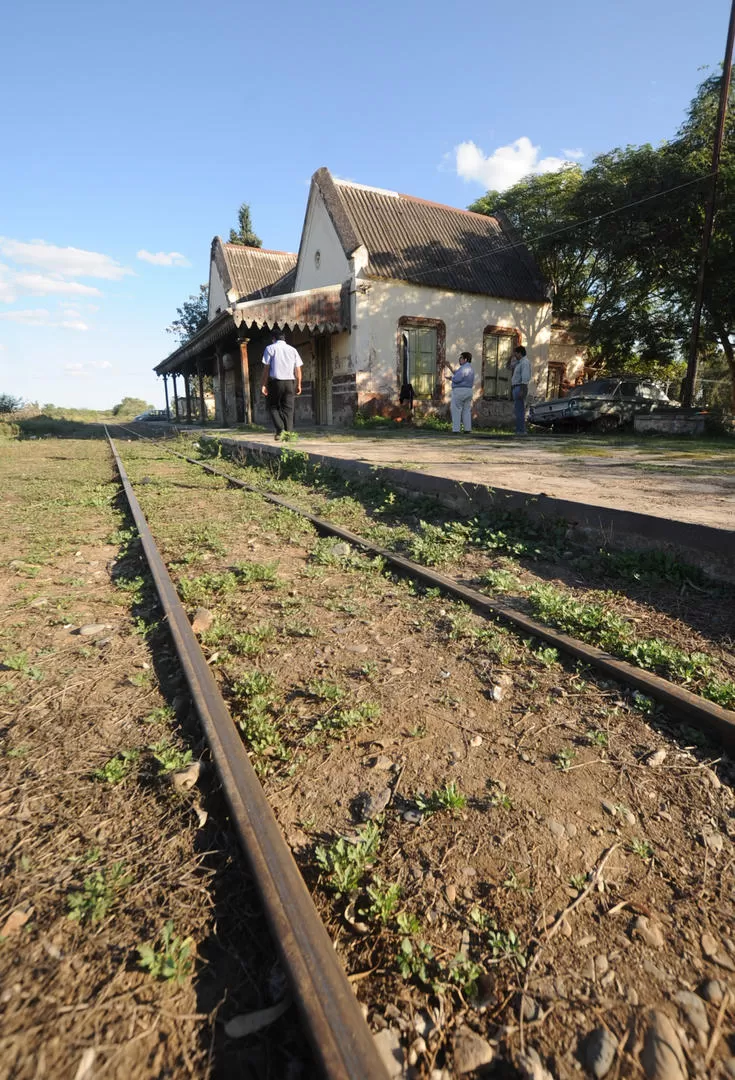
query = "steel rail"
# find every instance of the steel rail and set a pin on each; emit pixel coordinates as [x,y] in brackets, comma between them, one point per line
[685,705]
[340,1038]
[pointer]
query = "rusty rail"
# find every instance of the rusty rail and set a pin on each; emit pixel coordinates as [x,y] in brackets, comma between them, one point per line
[340,1038]
[685,705]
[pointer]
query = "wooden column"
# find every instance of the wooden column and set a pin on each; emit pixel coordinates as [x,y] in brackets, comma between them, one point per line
[202,412]
[187,391]
[176,397]
[165,390]
[222,418]
[245,374]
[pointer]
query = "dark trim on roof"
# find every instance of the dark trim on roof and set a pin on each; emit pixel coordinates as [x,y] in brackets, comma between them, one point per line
[220,326]
[344,228]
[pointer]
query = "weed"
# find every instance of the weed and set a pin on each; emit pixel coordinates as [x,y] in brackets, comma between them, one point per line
[117,768]
[564,758]
[99,893]
[578,881]
[464,974]
[501,581]
[412,959]
[133,585]
[18,751]
[325,690]
[344,719]
[250,643]
[447,798]
[506,945]
[346,862]
[20,662]
[641,848]
[162,714]
[140,678]
[248,573]
[383,901]
[597,737]
[168,757]
[408,923]
[514,883]
[499,798]
[197,590]
[299,629]
[547,656]
[437,545]
[369,670]
[174,960]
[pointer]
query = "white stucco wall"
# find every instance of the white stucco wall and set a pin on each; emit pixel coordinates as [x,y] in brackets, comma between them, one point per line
[319,235]
[217,297]
[383,303]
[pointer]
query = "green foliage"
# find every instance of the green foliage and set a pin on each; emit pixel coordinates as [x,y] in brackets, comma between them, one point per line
[99,893]
[168,757]
[199,589]
[130,406]
[564,759]
[448,798]
[437,545]
[117,768]
[641,848]
[325,690]
[597,737]
[383,901]
[336,723]
[192,316]
[254,699]
[174,960]
[501,581]
[345,862]
[10,404]
[413,958]
[244,234]
[20,662]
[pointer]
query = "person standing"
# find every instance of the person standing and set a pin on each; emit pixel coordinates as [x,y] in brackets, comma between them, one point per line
[520,377]
[463,381]
[281,380]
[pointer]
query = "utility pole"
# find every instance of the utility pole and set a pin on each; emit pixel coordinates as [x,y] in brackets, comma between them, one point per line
[691,375]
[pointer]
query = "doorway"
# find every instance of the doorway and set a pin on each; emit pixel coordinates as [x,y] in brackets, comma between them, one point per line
[323,380]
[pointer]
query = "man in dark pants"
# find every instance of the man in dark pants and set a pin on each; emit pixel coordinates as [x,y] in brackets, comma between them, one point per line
[281,379]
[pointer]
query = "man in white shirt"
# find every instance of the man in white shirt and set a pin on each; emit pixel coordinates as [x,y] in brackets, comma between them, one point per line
[281,379]
[520,367]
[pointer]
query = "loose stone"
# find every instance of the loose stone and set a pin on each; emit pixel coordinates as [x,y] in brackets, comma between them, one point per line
[712,839]
[202,621]
[656,758]
[693,1008]
[650,932]
[376,804]
[599,1052]
[662,1056]
[470,1051]
[388,1043]
[713,991]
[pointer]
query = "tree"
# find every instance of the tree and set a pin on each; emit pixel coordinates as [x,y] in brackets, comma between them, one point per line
[192,316]
[131,406]
[10,404]
[245,235]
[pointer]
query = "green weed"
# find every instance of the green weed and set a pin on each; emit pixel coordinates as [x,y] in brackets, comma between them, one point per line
[20,662]
[564,759]
[383,901]
[412,960]
[597,737]
[437,545]
[168,757]
[345,862]
[501,581]
[325,690]
[642,848]
[174,960]
[99,893]
[338,722]
[448,798]
[117,768]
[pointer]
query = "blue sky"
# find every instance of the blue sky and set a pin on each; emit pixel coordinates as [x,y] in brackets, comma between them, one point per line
[131,134]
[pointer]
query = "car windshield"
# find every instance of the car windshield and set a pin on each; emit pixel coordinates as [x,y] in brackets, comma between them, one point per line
[595,388]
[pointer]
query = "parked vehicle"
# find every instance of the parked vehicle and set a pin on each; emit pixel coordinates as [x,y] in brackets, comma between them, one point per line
[153,414]
[601,404]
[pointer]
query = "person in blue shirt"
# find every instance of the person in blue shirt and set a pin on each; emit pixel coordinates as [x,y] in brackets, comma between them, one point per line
[463,381]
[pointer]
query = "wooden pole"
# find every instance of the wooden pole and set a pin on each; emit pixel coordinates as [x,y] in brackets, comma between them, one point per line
[165,390]
[176,397]
[245,373]
[187,392]
[203,414]
[692,363]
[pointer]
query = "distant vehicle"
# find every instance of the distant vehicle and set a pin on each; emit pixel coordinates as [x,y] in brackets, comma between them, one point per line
[601,404]
[153,414]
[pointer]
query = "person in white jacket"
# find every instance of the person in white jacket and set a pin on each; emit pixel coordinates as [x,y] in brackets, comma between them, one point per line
[520,377]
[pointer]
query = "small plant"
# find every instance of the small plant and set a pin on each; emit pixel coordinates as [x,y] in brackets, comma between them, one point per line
[437,545]
[20,662]
[174,960]
[346,862]
[250,643]
[564,758]
[338,722]
[383,901]
[506,945]
[168,757]
[641,848]
[578,881]
[162,714]
[412,959]
[514,883]
[248,573]
[447,798]
[501,581]
[408,923]
[117,768]
[369,670]
[99,893]
[597,737]
[325,690]
[18,751]
[464,974]
[499,797]
[198,590]
[418,731]
[547,657]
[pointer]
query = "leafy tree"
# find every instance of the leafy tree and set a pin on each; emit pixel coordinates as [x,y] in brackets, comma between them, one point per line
[245,235]
[130,406]
[192,316]
[10,404]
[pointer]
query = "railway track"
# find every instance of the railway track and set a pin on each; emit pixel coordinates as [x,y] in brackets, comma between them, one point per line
[341,1039]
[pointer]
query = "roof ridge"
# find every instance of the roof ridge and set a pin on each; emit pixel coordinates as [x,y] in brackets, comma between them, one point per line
[265,251]
[446,206]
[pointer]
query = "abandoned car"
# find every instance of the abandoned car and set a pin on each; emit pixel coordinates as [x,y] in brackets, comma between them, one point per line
[601,404]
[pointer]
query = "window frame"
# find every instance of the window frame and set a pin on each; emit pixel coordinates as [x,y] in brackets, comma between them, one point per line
[497,331]
[420,322]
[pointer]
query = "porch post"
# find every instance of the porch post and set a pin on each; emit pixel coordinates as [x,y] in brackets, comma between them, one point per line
[176,397]
[165,390]
[245,373]
[219,399]
[202,414]
[187,391]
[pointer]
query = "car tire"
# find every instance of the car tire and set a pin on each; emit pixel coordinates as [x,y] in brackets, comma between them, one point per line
[604,425]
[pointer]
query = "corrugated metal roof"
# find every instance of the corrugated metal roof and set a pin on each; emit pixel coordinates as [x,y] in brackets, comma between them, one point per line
[254,272]
[410,239]
[324,311]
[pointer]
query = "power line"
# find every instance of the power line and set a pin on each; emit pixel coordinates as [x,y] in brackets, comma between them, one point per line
[566,228]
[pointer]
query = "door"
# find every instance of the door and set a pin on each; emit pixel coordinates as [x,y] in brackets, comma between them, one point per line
[323,380]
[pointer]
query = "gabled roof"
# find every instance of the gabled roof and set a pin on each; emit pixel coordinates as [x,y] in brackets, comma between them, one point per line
[253,272]
[410,239]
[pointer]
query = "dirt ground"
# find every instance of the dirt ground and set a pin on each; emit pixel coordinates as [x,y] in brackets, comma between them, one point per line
[688,480]
[97,862]
[513,857]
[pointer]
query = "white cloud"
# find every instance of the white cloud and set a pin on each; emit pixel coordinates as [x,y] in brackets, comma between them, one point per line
[506,165]
[42,317]
[64,262]
[42,285]
[85,371]
[163,258]
[575,155]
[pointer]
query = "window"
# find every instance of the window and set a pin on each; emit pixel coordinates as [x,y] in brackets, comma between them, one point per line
[421,349]
[555,380]
[498,344]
